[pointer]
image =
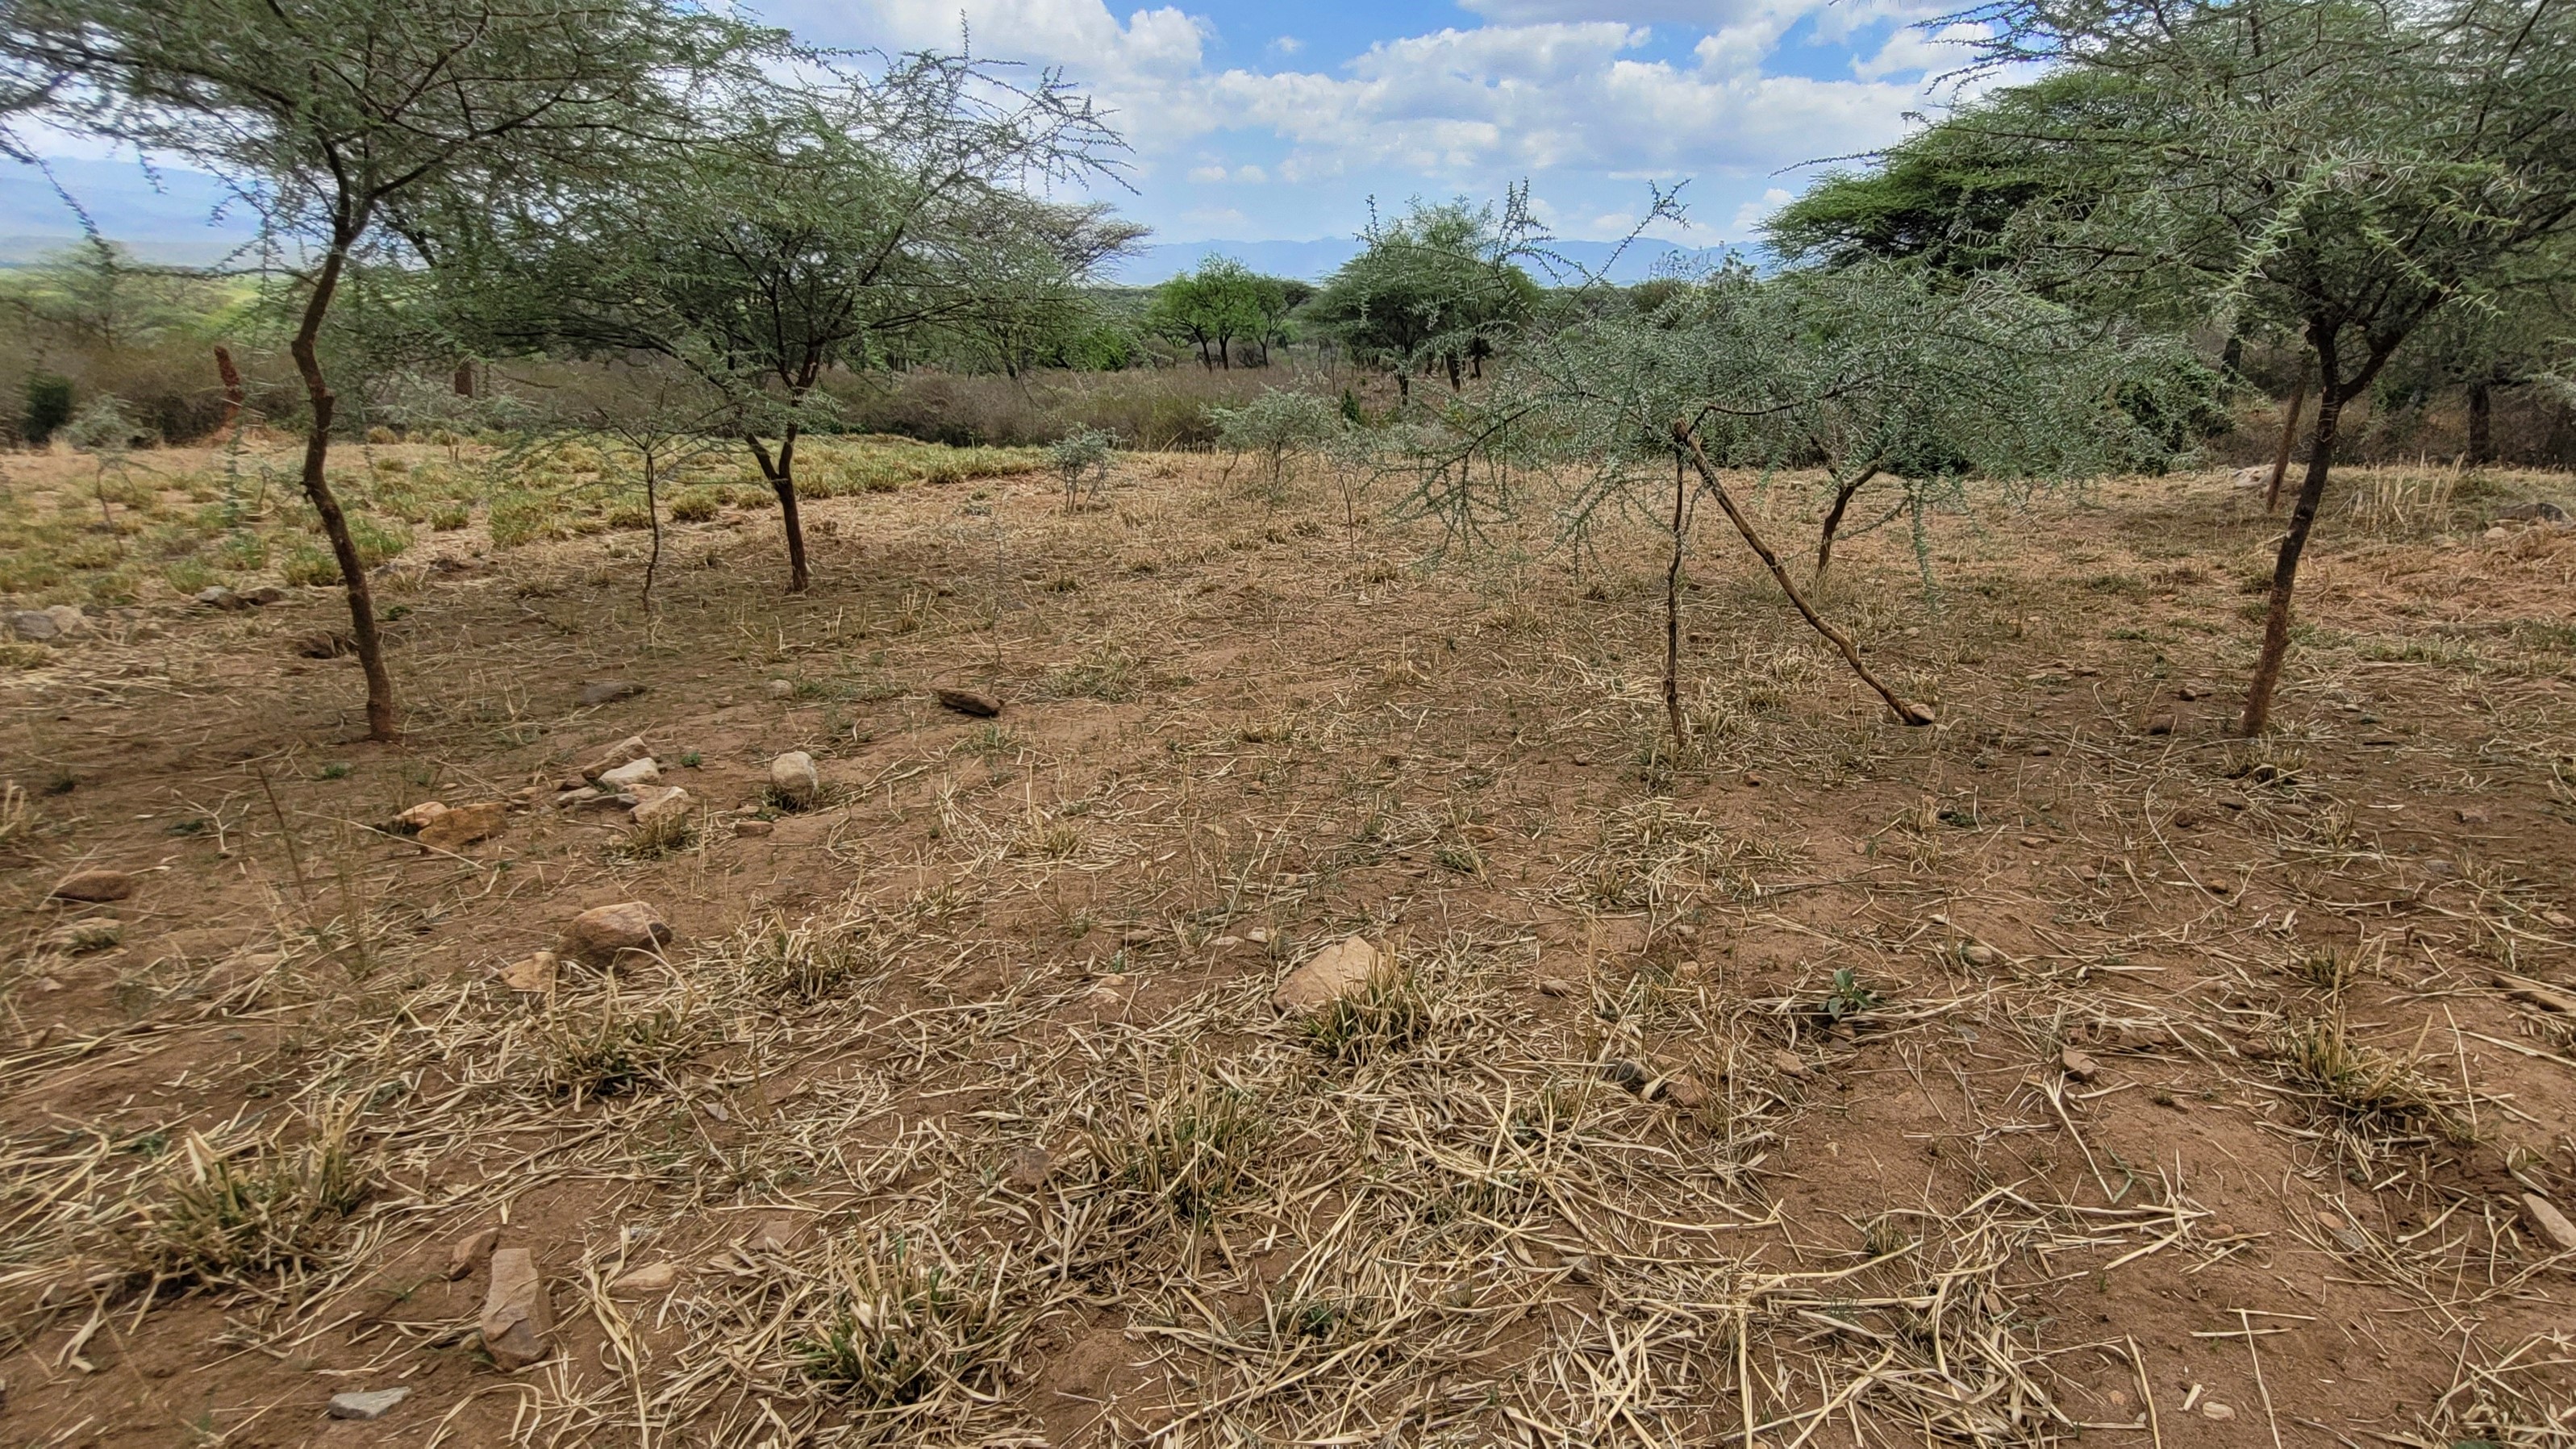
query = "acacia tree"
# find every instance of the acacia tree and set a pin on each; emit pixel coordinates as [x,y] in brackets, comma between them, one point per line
[840,219]
[1440,286]
[2340,171]
[333,118]
[1212,306]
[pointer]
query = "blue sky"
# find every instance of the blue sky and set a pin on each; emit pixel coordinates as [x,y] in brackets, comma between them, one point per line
[1254,122]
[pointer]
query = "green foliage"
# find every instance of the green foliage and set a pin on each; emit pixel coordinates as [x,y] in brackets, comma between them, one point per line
[48,407]
[1083,456]
[1276,426]
[1224,301]
[1435,287]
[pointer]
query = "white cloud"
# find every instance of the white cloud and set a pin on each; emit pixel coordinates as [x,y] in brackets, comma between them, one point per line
[1287,44]
[1912,50]
[1207,175]
[1750,216]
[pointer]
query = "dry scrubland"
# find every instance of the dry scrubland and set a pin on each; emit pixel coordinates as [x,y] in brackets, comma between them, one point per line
[2068,1069]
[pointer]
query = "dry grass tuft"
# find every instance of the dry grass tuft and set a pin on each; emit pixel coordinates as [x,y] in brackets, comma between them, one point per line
[221,1216]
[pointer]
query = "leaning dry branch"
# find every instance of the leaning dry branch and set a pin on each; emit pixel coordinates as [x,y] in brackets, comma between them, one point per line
[1907,711]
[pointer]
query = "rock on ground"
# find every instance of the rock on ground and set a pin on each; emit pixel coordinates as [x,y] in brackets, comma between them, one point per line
[654,804]
[534,974]
[419,816]
[644,1282]
[2549,1222]
[603,933]
[625,751]
[518,1325]
[464,825]
[369,1404]
[467,1253]
[631,774]
[96,886]
[609,691]
[969,701]
[794,780]
[1336,971]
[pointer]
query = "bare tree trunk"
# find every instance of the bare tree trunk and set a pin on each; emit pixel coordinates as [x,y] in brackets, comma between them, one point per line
[2481,422]
[2285,567]
[781,477]
[1906,711]
[2289,436]
[235,396]
[1834,517]
[653,518]
[317,488]
[1673,610]
[463,382]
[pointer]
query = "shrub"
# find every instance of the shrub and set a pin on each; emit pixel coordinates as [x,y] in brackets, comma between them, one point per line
[696,506]
[49,406]
[309,565]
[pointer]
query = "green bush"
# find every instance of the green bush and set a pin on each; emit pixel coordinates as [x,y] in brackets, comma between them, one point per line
[49,406]
[309,565]
[696,506]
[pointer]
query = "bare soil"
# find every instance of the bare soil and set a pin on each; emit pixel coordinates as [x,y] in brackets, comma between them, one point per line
[2068,1069]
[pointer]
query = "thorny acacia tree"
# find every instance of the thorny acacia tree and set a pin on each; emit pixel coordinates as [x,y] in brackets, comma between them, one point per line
[1735,372]
[2339,170]
[336,119]
[842,217]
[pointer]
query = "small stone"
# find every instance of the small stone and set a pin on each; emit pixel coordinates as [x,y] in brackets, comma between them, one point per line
[2542,512]
[1624,1074]
[371,1404]
[2216,1410]
[654,805]
[775,1234]
[2193,690]
[265,594]
[577,796]
[781,689]
[219,597]
[1027,1167]
[2439,868]
[631,774]
[1257,936]
[2472,815]
[646,1281]
[417,818]
[467,1253]
[603,933]
[1788,1064]
[2549,1222]
[91,933]
[1336,971]
[602,802]
[969,701]
[2079,1065]
[753,828]
[2042,751]
[2497,534]
[2157,722]
[1226,943]
[96,886]
[2559,920]
[608,691]
[325,644]
[34,624]
[1978,953]
[625,751]
[533,974]
[1683,1091]
[518,1324]
[464,825]
[1581,1268]
[1556,986]
[793,780]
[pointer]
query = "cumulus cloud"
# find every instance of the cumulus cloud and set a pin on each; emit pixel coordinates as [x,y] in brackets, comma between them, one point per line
[1750,216]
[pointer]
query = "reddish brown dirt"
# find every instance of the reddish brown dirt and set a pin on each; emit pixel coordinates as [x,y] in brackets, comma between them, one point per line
[2074,1111]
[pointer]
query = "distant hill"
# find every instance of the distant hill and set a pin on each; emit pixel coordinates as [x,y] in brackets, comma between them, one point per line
[164,217]
[1316,260]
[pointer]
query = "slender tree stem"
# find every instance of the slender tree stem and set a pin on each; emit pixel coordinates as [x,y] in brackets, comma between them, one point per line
[1673,609]
[1834,517]
[317,488]
[2289,436]
[1905,710]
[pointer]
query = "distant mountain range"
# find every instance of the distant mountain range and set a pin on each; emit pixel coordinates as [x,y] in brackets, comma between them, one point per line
[1318,259]
[179,218]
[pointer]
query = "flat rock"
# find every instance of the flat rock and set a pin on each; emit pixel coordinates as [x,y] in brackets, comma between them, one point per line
[603,933]
[644,771]
[654,804]
[601,802]
[752,828]
[96,886]
[467,1253]
[464,825]
[1683,1091]
[2079,1065]
[781,689]
[533,974]
[625,751]
[646,1281]
[793,780]
[1978,953]
[219,597]
[2157,722]
[518,1324]
[968,701]
[609,691]
[1336,971]
[92,933]
[367,1404]
[1788,1064]
[2217,1411]
[418,816]
[2549,1222]
[2258,476]
[34,624]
